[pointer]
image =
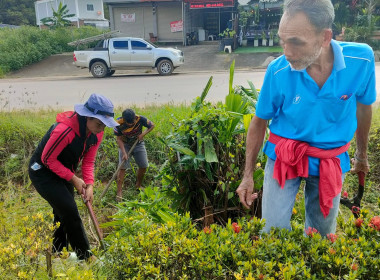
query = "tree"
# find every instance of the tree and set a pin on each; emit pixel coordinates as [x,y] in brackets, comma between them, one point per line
[59,18]
[17,12]
[370,8]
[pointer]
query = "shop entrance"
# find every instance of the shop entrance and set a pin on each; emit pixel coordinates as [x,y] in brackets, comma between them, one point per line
[212,21]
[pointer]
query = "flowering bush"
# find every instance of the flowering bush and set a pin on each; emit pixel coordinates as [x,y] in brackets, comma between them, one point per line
[375,223]
[358,222]
[142,249]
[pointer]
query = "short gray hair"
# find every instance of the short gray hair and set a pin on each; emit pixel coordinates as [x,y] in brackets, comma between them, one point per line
[319,12]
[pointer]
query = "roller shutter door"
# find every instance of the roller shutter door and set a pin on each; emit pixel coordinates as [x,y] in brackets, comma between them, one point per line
[167,13]
[142,25]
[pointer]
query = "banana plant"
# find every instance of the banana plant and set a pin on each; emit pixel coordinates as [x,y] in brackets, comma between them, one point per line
[60,17]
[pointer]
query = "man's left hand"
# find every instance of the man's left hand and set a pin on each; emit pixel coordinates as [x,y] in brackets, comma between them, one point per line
[141,137]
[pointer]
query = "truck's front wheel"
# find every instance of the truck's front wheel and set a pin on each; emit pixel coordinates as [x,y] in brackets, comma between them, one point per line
[99,69]
[165,67]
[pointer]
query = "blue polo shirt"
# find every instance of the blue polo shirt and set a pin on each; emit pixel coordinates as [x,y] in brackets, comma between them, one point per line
[325,118]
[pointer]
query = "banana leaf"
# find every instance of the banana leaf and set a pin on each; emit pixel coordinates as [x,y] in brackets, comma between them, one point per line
[181,149]
[246,121]
[236,106]
[199,101]
[232,70]
[210,154]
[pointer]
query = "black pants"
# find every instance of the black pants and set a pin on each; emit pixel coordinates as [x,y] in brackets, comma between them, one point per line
[60,195]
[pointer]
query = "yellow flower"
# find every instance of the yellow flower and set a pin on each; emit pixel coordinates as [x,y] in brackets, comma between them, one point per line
[294,211]
[258,164]
[22,275]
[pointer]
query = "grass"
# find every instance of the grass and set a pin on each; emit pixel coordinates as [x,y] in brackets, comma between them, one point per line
[19,200]
[251,49]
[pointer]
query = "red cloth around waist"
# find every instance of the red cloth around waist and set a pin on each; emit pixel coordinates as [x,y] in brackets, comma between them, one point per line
[292,162]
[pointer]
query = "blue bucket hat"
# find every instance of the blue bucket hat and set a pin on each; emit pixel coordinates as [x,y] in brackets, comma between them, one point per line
[98,106]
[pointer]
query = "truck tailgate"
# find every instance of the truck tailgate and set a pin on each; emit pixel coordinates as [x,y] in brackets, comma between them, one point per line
[83,58]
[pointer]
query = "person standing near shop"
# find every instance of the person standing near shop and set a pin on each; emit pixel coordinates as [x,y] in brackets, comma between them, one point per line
[74,138]
[317,96]
[129,131]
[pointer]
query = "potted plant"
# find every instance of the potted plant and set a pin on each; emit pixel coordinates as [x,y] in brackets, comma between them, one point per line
[227,37]
[243,21]
[263,38]
[244,41]
[271,37]
[256,40]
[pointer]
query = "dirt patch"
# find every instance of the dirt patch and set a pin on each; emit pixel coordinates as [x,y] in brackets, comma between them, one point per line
[55,65]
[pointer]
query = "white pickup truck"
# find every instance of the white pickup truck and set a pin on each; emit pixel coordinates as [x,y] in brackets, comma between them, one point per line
[126,52]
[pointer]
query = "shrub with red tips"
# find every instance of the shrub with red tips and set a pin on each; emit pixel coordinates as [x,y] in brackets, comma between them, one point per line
[375,223]
[358,222]
[236,227]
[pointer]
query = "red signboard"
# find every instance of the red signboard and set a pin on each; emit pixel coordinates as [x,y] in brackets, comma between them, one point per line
[201,4]
[176,26]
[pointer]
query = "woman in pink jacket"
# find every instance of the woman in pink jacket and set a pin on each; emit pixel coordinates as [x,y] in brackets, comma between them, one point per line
[74,138]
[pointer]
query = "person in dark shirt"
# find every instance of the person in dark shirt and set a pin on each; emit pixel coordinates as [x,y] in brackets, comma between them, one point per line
[127,133]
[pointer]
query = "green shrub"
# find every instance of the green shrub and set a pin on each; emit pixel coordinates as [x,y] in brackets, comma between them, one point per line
[147,241]
[205,155]
[21,254]
[142,249]
[27,45]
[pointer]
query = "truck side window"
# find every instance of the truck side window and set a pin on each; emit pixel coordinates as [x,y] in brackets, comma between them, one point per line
[120,45]
[100,45]
[137,45]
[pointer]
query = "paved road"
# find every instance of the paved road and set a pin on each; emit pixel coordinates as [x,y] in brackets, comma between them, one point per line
[124,90]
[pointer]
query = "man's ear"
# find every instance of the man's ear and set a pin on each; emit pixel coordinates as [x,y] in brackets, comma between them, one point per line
[327,37]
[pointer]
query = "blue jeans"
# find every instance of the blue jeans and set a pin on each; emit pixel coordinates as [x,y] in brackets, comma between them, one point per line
[277,204]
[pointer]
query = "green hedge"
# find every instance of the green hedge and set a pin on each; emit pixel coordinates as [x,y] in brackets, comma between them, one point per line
[27,45]
[142,249]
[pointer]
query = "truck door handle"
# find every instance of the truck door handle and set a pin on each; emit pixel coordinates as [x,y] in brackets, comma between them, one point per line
[133,52]
[113,52]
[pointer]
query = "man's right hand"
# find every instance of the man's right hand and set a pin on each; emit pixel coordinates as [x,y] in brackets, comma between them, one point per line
[125,157]
[246,192]
[78,183]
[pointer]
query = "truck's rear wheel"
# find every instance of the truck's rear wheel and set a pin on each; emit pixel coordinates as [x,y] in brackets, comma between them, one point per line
[165,67]
[99,69]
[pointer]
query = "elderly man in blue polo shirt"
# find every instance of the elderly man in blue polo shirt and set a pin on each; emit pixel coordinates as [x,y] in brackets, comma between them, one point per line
[317,96]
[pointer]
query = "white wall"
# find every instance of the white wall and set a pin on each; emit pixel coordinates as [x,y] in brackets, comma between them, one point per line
[97,13]
[78,7]
[141,27]
[166,13]
[45,8]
